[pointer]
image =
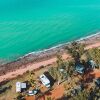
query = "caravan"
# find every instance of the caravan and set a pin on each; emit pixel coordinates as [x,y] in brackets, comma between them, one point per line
[45,81]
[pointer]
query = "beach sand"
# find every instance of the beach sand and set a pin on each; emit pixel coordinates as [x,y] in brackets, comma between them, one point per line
[30,67]
[93,46]
[33,66]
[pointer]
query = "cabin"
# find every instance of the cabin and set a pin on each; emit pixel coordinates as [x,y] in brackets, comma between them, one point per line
[45,81]
[79,68]
[20,86]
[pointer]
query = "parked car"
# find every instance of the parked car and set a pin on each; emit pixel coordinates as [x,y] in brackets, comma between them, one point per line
[33,92]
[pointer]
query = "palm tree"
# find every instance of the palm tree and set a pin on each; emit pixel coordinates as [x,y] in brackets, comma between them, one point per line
[31,78]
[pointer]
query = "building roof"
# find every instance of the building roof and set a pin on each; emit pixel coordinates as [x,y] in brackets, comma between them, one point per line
[20,86]
[44,79]
[23,85]
[79,68]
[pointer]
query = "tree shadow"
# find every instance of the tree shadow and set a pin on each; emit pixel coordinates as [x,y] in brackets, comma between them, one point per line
[4,89]
[4,82]
[52,81]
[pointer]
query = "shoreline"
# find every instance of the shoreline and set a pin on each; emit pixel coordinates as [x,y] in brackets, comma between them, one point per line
[61,45]
[33,61]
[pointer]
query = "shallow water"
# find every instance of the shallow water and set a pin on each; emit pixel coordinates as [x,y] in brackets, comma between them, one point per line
[32,25]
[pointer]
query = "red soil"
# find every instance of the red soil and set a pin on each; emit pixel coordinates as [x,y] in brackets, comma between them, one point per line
[96,73]
[54,94]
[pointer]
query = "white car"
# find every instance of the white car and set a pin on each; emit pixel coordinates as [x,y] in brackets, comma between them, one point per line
[33,92]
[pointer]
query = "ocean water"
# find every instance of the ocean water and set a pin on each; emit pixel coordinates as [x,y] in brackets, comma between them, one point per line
[33,25]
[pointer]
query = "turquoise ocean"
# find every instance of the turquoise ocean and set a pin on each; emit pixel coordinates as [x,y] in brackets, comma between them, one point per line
[33,25]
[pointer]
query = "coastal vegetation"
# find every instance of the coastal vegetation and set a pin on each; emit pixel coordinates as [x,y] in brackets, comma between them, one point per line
[95,55]
[92,94]
[63,72]
[20,97]
[31,79]
[76,50]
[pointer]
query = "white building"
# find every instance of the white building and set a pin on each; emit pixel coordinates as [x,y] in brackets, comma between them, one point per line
[45,81]
[20,86]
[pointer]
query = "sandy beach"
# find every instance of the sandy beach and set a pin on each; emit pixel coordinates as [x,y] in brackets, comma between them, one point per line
[49,57]
[33,66]
[30,68]
[93,45]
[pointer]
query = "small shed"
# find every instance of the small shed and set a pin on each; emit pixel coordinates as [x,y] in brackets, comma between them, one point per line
[20,86]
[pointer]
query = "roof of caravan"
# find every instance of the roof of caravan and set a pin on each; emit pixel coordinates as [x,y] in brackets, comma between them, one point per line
[44,79]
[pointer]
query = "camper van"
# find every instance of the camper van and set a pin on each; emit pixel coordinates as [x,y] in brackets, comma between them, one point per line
[45,81]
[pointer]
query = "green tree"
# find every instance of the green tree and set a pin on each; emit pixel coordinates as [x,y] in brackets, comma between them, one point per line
[81,96]
[70,67]
[76,50]
[31,78]
[94,93]
[60,62]
[20,97]
[95,55]
[52,71]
